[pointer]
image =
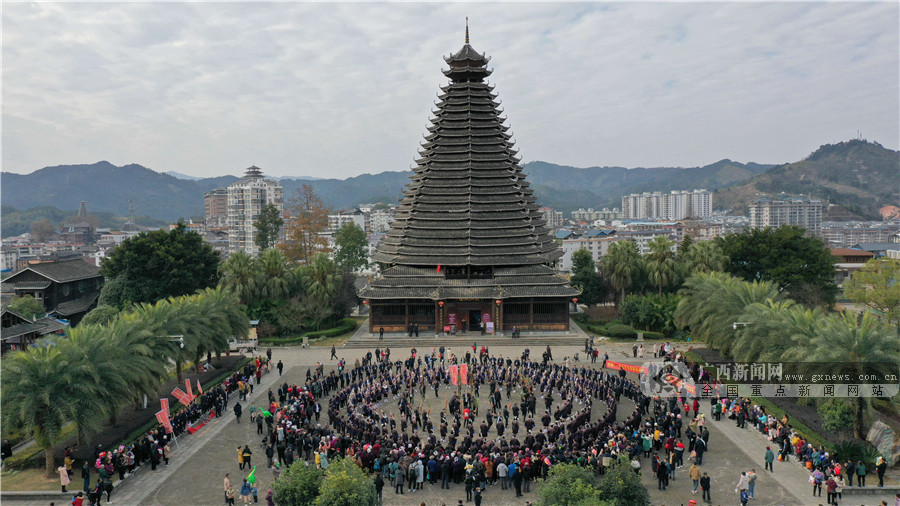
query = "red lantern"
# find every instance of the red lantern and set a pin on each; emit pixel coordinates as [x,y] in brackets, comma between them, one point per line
[575,301]
[499,302]
[441,303]
[366,302]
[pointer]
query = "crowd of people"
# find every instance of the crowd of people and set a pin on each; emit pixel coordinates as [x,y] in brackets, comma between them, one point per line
[154,448]
[537,414]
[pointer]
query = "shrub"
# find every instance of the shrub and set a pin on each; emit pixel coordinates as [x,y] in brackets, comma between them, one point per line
[620,330]
[345,484]
[569,484]
[346,325]
[836,415]
[298,484]
[621,485]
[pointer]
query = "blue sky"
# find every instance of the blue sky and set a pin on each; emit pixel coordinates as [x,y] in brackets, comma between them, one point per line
[335,90]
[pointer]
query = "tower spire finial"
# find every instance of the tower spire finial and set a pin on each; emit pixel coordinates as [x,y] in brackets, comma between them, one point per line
[467,29]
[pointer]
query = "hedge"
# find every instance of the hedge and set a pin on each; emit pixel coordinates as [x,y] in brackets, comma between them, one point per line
[620,330]
[346,325]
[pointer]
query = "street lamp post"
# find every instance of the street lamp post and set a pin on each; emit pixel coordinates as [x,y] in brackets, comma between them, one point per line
[735,325]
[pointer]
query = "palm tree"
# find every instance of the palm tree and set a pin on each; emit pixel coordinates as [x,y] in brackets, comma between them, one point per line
[321,278]
[622,265]
[239,273]
[850,347]
[274,276]
[705,256]
[763,336]
[661,262]
[39,386]
[711,303]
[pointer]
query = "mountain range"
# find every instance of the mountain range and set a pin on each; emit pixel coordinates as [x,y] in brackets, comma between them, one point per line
[857,175]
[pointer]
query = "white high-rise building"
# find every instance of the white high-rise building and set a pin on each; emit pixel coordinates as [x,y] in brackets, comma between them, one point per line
[553,217]
[675,205]
[800,211]
[246,197]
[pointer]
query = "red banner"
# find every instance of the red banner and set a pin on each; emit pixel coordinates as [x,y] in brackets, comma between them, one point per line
[164,404]
[162,417]
[181,396]
[169,429]
[453,374]
[627,367]
[190,391]
[464,373]
[198,387]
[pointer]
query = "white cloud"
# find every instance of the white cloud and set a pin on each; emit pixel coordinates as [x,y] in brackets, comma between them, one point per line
[334,90]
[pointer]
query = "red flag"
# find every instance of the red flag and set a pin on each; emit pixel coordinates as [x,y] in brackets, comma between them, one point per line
[181,396]
[198,387]
[439,268]
[164,404]
[453,374]
[190,390]
[169,428]
[464,373]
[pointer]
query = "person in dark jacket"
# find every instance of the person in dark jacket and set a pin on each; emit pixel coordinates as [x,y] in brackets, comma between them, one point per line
[379,485]
[86,476]
[237,412]
[705,486]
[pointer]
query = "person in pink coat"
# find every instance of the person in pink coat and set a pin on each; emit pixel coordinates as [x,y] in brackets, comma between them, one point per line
[63,477]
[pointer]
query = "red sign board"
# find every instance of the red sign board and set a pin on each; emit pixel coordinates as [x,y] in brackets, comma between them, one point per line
[451,318]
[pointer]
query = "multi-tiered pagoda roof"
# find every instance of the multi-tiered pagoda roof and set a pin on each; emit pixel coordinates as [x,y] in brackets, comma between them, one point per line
[468,207]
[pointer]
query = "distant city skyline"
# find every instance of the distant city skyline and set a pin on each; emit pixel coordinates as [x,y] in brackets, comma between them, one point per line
[337,90]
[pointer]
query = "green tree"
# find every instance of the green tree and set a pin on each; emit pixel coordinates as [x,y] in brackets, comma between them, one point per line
[298,485]
[836,415]
[622,266]
[38,387]
[851,347]
[711,303]
[159,264]
[877,286]
[275,276]
[351,247]
[239,274]
[661,262]
[686,243]
[703,256]
[268,226]
[346,484]
[586,278]
[621,486]
[800,265]
[27,306]
[100,315]
[571,485]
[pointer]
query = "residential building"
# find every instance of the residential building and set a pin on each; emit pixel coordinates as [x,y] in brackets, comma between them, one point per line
[552,217]
[597,245]
[355,216]
[246,198]
[843,234]
[379,221]
[643,238]
[848,261]
[590,215]
[800,211]
[675,205]
[215,204]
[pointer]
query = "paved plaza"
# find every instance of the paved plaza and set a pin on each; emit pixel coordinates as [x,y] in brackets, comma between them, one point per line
[199,461]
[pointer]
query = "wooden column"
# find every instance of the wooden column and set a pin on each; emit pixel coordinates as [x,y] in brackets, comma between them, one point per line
[406,311]
[531,314]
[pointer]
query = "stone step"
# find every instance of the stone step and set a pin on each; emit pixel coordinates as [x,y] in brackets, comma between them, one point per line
[871,490]
[462,342]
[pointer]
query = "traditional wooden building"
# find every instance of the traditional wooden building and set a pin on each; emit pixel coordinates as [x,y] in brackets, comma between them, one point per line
[468,249]
[68,288]
[17,332]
